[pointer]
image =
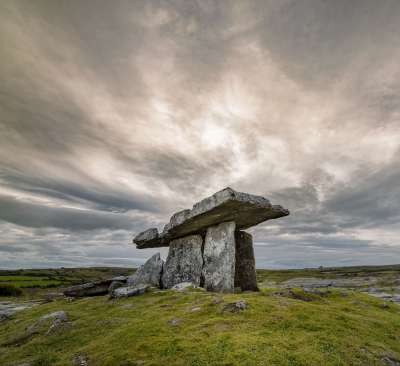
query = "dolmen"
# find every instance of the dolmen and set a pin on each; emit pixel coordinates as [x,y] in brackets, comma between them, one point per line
[208,246]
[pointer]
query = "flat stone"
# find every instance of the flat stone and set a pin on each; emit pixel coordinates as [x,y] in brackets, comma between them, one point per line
[219,258]
[245,266]
[184,262]
[129,291]
[149,273]
[227,205]
[183,286]
[97,288]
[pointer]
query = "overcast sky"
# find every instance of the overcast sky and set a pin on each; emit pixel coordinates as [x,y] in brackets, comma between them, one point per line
[115,114]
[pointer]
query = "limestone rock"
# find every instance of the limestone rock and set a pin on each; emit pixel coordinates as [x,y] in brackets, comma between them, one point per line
[149,273]
[120,278]
[129,291]
[114,285]
[183,286]
[227,205]
[235,307]
[184,262]
[56,320]
[97,288]
[245,266]
[219,258]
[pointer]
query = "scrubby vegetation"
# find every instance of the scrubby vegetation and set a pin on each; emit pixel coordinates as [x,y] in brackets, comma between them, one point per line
[9,290]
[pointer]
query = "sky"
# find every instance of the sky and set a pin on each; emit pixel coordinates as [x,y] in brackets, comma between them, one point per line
[116,114]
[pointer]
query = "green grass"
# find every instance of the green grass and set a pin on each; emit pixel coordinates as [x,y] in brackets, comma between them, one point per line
[50,278]
[336,329]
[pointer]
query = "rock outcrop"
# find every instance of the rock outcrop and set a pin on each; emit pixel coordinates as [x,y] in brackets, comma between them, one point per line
[149,273]
[97,288]
[207,244]
[184,262]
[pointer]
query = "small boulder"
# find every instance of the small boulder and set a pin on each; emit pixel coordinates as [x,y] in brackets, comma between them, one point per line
[57,320]
[129,291]
[80,360]
[149,273]
[235,307]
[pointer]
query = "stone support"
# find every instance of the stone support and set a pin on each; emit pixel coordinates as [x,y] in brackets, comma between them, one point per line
[219,257]
[245,266]
[184,262]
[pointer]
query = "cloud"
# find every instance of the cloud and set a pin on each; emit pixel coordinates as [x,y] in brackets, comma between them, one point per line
[114,116]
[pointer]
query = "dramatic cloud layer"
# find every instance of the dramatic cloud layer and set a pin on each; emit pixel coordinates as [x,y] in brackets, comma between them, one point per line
[114,114]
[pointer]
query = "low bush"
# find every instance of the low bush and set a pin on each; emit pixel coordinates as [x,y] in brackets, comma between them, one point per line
[9,290]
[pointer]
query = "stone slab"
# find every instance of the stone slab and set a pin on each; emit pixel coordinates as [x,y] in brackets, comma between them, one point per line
[184,262]
[245,264]
[219,258]
[148,273]
[227,205]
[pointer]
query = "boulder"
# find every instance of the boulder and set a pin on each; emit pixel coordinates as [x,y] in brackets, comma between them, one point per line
[219,258]
[53,322]
[184,262]
[245,266]
[114,285]
[227,205]
[129,291]
[235,307]
[183,286]
[97,288]
[149,273]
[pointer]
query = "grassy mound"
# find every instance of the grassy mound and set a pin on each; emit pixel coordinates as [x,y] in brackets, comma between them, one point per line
[191,329]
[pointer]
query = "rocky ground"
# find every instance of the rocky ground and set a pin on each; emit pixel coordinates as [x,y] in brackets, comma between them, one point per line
[300,317]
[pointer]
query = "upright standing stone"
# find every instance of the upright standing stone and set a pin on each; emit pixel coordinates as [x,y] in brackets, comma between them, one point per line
[245,267]
[184,262]
[149,273]
[219,257]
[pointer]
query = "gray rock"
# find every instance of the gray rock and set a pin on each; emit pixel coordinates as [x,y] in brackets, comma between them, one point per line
[227,205]
[57,315]
[114,285]
[184,262]
[7,308]
[120,278]
[389,361]
[149,273]
[57,320]
[219,258]
[97,288]
[129,291]
[245,267]
[80,360]
[5,316]
[235,307]
[183,286]
[174,322]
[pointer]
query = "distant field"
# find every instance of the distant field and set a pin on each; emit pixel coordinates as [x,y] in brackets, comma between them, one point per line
[49,278]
